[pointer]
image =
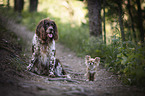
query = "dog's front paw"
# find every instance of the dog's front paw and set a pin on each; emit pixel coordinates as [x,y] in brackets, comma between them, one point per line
[68,76]
[29,67]
[87,80]
[51,74]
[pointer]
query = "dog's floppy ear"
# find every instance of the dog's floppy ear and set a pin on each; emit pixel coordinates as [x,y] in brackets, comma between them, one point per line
[56,31]
[97,60]
[40,31]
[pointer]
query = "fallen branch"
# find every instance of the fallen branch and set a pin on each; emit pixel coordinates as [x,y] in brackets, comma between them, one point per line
[62,79]
[75,73]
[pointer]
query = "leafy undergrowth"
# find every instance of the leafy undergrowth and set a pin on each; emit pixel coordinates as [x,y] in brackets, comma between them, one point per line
[127,62]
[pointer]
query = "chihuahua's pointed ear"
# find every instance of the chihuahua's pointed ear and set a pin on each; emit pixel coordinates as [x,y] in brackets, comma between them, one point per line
[97,60]
[87,57]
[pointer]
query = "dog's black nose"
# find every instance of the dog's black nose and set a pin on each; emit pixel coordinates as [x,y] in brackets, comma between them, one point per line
[50,29]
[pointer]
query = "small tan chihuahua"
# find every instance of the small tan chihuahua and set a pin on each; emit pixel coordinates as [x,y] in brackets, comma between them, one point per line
[92,65]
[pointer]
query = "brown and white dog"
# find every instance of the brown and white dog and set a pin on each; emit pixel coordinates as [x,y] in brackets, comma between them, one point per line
[43,50]
[92,65]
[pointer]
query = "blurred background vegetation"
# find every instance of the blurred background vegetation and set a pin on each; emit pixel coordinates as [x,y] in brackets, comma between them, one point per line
[110,29]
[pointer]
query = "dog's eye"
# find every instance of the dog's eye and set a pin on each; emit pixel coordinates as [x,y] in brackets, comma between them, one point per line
[52,24]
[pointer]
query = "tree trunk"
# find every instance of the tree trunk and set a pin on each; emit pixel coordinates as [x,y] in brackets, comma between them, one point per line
[94,7]
[8,3]
[33,5]
[140,21]
[121,20]
[18,5]
[104,21]
[132,21]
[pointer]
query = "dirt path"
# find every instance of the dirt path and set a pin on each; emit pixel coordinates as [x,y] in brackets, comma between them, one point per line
[29,84]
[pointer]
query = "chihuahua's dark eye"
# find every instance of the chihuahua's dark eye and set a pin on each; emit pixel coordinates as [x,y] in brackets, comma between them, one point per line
[91,63]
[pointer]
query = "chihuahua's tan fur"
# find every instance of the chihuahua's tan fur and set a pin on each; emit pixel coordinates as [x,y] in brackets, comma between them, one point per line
[92,65]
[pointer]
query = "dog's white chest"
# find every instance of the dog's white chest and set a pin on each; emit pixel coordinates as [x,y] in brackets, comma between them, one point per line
[47,53]
[44,58]
[52,50]
[92,69]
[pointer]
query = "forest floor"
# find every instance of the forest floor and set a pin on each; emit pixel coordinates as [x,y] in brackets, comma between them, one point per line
[15,80]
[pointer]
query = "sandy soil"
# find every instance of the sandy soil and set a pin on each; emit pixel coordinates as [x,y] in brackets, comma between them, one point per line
[14,82]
